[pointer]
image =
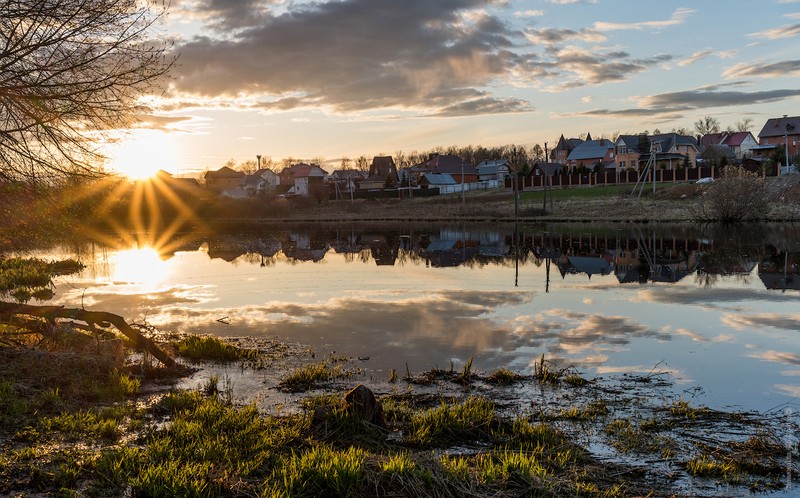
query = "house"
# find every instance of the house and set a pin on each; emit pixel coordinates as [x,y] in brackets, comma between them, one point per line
[671,151]
[628,149]
[346,180]
[563,148]
[261,181]
[223,179]
[446,164]
[304,179]
[498,169]
[445,183]
[741,142]
[590,153]
[382,174]
[783,131]
[550,169]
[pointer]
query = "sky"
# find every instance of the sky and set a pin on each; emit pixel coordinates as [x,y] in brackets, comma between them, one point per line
[344,78]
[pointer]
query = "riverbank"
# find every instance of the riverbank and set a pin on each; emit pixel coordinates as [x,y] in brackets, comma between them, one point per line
[102,431]
[670,203]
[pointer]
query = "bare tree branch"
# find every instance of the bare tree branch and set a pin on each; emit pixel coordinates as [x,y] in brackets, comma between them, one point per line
[71,72]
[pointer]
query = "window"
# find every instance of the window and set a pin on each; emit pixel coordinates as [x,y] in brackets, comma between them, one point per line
[622,164]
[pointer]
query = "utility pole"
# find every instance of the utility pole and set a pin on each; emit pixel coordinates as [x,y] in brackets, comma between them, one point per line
[544,178]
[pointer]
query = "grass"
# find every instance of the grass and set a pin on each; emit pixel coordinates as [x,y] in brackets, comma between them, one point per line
[468,421]
[586,192]
[209,348]
[314,375]
[503,377]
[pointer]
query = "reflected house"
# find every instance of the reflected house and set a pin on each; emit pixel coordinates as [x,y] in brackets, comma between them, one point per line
[302,248]
[674,271]
[592,265]
[225,249]
[348,244]
[450,252]
[628,267]
[383,249]
[781,272]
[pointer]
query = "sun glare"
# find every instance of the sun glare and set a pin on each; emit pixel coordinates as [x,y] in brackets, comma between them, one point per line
[143,154]
[139,266]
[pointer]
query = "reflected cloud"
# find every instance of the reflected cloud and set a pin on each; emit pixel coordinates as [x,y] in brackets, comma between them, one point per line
[777,357]
[701,338]
[789,390]
[786,322]
[707,298]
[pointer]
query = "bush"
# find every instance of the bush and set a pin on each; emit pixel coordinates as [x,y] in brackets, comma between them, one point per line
[738,195]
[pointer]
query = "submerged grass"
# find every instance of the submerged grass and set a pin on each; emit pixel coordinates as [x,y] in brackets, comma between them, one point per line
[209,348]
[314,375]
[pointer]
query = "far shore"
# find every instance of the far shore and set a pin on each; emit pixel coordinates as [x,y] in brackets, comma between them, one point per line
[675,203]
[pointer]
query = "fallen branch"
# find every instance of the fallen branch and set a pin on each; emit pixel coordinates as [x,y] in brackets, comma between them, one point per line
[91,318]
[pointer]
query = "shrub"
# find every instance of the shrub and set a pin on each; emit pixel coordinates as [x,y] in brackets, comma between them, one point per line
[738,195]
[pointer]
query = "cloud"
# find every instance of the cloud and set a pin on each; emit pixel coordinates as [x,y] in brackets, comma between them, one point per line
[765,70]
[357,55]
[570,2]
[678,17]
[592,68]
[528,13]
[675,103]
[703,54]
[484,105]
[786,31]
[559,35]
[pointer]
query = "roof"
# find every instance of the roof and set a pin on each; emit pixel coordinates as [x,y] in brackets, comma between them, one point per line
[438,179]
[490,167]
[591,149]
[778,127]
[382,166]
[342,174]
[736,138]
[303,170]
[548,168]
[224,172]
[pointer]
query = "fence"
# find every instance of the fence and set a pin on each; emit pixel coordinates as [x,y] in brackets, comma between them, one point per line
[614,178]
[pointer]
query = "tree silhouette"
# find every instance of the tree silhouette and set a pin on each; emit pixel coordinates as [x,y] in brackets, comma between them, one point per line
[71,74]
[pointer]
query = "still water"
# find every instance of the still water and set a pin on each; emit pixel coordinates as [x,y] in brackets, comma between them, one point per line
[718,308]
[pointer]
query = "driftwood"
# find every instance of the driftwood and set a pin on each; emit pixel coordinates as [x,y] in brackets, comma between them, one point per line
[91,318]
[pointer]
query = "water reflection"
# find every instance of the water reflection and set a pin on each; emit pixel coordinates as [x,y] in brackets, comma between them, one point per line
[634,255]
[705,303]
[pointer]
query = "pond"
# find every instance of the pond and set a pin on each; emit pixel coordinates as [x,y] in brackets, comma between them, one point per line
[717,308]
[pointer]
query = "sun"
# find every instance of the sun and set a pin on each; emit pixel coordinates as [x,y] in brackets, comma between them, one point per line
[144,153]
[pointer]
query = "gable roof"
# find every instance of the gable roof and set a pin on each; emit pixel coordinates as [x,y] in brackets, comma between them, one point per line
[591,149]
[736,138]
[224,172]
[438,179]
[778,127]
[490,167]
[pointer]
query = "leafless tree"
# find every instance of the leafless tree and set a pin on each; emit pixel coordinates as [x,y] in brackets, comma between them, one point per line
[71,73]
[744,125]
[706,125]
